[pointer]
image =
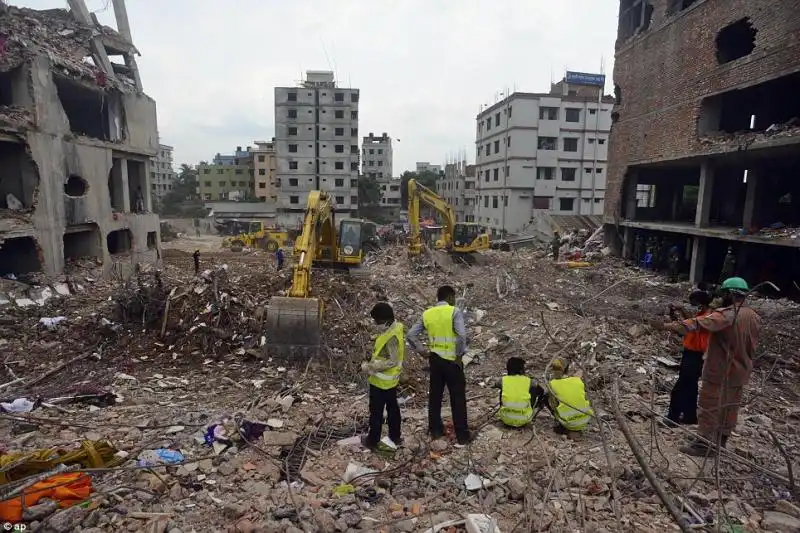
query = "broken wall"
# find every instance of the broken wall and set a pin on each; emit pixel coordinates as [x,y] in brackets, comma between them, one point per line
[664,73]
[141,126]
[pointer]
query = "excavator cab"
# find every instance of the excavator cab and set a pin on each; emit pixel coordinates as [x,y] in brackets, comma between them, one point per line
[469,237]
[350,242]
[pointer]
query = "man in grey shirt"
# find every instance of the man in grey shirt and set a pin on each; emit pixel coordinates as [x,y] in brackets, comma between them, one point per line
[447,343]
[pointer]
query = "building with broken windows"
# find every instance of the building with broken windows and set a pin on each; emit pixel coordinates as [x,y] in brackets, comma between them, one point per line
[76,137]
[376,156]
[162,174]
[705,147]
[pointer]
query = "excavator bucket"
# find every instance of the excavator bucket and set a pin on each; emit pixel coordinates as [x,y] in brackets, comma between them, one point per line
[294,321]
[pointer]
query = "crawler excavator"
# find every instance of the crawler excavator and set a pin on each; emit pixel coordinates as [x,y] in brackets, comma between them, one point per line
[457,238]
[296,319]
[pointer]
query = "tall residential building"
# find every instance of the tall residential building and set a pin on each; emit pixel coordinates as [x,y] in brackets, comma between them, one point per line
[706,158]
[376,156]
[228,177]
[162,174]
[457,187]
[265,164]
[543,151]
[424,166]
[316,142]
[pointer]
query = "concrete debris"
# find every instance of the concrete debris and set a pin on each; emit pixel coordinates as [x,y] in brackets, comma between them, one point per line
[302,468]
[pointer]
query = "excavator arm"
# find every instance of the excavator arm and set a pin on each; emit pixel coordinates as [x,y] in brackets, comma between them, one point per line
[296,319]
[419,193]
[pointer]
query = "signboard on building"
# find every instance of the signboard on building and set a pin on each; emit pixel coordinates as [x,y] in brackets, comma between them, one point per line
[583,78]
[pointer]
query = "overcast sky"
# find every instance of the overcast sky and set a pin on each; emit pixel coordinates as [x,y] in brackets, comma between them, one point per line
[423,66]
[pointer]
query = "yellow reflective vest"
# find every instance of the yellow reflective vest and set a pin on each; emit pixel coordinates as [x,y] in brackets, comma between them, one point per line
[438,322]
[515,409]
[572,409]
[389,378]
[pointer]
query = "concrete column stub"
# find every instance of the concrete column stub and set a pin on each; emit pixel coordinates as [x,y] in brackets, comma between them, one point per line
[704,195]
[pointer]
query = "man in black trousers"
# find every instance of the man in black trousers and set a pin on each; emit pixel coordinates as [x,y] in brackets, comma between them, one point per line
[447,343]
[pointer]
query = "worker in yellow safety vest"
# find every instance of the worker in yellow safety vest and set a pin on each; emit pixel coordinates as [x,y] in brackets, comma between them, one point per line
[447,343]
[384,369]
[567,400]
[518,394]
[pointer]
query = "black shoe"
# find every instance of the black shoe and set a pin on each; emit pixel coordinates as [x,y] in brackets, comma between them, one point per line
[668,421]
[436,434]
[463,441]
[689,421]
[367,444]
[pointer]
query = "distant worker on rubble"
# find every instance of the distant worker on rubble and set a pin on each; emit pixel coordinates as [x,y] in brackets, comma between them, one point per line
[384,374]
[566,400]
[447,343]
[196,258]
[638,250]
[728,265]
[734,330]
[555,244]
[683,399]
[674,261]
[279,258]
[139,200]
[518,394]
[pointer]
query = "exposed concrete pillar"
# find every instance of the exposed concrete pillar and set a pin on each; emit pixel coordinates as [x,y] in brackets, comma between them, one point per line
[627,245]
[698,262]
[749,219]
[631,183]
[704,195]
[126,193]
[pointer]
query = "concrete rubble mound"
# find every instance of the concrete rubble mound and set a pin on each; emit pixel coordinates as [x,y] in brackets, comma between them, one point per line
[214,433]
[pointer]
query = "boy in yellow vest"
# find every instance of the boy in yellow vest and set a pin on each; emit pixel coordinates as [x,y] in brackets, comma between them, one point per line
[384,374]
[518,394]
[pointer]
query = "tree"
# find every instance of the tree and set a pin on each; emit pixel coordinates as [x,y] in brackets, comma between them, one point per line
[369,192]
[426,178]
[184,190]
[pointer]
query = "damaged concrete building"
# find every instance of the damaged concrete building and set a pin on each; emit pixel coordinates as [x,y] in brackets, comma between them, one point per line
[705,146]
[76,137]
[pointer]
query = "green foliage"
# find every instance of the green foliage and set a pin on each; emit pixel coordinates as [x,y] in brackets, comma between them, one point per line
[426,178]
[183,199]
[369,192]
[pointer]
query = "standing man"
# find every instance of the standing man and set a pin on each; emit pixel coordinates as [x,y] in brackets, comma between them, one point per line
[734,331]
[279,257]
[555,244]
[638,250]
[728,265]
[196,258]
[384,370]
[674,263]
[139,200]
[447,343]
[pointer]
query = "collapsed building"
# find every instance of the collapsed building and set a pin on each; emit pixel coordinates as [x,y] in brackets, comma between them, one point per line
[705,145]
[76,136]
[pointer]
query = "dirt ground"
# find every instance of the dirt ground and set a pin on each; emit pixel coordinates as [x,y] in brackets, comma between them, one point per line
[203,360]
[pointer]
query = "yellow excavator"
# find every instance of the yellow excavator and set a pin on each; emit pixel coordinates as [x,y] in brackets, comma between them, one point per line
[296,319]
[457,238]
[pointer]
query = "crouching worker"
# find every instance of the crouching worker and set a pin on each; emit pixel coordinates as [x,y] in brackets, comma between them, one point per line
[518,394]
[384,374]
[567,400]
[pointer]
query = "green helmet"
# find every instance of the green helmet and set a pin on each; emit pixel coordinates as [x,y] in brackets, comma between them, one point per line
[735,284]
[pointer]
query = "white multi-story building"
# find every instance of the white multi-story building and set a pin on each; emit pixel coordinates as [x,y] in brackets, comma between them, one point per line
[457,187]
[376,156]
[316,144]
[424,166]
[162,175]
[542,151]
[391,195]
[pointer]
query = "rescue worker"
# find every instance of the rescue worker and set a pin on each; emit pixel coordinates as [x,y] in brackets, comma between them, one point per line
[518,394]
[638,250]
[447,343]
[567,400]
[384,374]
[734,331]
[279,257]
[674,263]
[196,258]
[728,265]
[555,244]
[683,400]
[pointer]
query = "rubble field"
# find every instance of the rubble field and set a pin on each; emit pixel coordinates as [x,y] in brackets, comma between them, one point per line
[214,432]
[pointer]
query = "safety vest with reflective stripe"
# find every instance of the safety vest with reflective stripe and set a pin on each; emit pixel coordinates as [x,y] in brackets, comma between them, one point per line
[389,378]
[575,416]
[438,322]
[516,409]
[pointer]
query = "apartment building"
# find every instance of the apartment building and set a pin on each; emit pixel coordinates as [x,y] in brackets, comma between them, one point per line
[228,177]
[265,165]
[543,152]
[391,196]
[316,144]
[162,173]
[76,142]
[458,187]
[715,144]
[376,156]
[424,166]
